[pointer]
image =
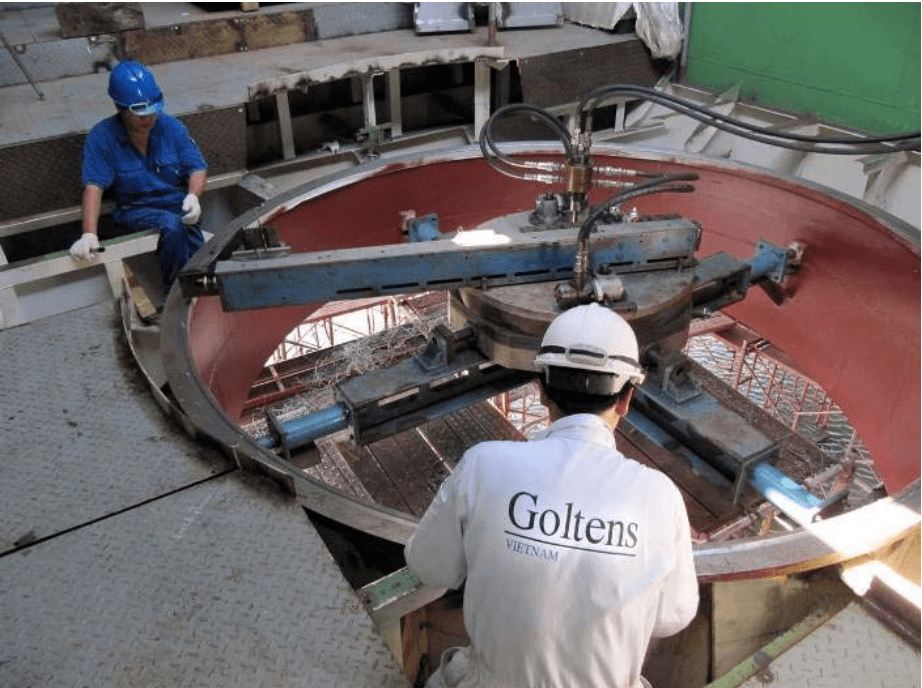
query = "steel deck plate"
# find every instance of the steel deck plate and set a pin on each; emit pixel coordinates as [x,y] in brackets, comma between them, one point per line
[132,556]
[225,584]
[851,649]
[82,437]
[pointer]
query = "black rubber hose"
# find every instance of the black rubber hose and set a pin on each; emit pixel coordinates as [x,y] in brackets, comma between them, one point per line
[813,144]
[659,96]
[495,162]
[487,139]
[642,189]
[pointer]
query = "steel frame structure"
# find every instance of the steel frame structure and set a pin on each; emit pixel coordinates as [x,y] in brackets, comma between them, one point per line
[762,373]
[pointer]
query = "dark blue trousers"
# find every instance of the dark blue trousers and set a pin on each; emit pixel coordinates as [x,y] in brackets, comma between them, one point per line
[177,241]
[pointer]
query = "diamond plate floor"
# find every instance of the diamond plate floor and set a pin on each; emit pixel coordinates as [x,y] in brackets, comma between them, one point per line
[134,558]
[851,649]
[81,436]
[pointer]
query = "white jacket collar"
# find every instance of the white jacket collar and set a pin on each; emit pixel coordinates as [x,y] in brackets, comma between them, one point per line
[581,426]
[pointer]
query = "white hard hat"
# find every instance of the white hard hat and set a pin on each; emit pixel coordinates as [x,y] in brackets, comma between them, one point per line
[596,344]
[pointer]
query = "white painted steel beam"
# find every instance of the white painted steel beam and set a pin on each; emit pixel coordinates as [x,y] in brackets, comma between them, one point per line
[65,272]
[395,106]
[384,63]
[285,129]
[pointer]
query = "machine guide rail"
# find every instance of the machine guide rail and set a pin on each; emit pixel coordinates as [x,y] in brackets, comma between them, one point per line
[452,374]
[264,279]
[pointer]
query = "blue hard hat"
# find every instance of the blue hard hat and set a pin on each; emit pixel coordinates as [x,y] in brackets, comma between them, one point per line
[132,86]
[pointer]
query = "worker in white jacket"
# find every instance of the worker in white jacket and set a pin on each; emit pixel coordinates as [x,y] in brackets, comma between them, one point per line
[573,555]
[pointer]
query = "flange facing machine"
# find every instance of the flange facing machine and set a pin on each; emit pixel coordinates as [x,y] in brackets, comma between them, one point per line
[507,279]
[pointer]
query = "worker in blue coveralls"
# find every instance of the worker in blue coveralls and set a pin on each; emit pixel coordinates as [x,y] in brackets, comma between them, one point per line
[154,168]
[574,556]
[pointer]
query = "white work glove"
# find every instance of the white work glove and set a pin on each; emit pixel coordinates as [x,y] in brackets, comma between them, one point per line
[84,246]
[192,209]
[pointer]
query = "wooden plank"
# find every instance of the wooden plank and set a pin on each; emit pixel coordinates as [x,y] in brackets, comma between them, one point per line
[717,500]
[701,520]
[142,303]
[747,615]
[414,469]
[684,659]
[444,629]
[904,557]
[61,263]
[414,657]
[494,425]
[449,445]
[374,479]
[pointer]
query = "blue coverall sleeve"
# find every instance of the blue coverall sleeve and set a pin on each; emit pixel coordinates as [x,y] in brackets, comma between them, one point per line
[98,168]
[190,156]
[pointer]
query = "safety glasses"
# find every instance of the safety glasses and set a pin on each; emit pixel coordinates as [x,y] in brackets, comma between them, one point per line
[145,108]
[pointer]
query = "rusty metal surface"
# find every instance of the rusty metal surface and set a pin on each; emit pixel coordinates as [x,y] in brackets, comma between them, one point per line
[186,41]
[93,18]
[559,78]
[41,176]
[797,457]
[404,471]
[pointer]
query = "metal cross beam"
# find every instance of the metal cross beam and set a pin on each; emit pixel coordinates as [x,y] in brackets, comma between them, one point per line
[252,280]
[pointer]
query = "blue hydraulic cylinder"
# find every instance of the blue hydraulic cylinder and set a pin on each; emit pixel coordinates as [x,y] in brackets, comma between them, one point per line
[786,494]
[306,429]
[424,228]
[769,261]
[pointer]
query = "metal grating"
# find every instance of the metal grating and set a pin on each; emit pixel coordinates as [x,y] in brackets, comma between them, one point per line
[221,135]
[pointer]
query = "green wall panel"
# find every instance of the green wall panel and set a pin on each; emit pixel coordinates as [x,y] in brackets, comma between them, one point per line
[852,63]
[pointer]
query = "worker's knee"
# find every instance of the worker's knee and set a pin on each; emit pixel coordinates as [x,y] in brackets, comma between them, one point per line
[175,237]
[172,228]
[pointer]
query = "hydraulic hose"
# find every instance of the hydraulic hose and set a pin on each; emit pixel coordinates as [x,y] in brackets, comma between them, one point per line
[801,142]
[644,188]
[498,159]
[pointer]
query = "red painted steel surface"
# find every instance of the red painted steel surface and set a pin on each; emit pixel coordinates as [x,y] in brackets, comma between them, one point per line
[852,323]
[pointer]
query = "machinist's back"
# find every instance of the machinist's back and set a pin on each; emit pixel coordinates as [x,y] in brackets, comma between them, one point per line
[574,557]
